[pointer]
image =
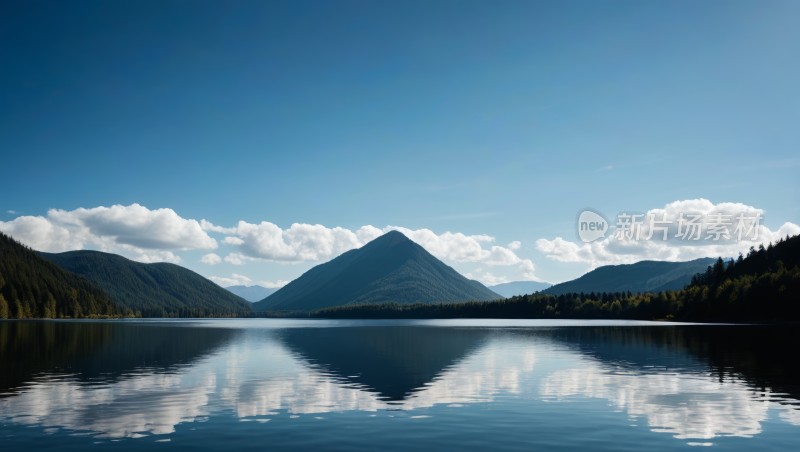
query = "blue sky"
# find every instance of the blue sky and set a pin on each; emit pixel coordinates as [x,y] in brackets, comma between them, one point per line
[481,118]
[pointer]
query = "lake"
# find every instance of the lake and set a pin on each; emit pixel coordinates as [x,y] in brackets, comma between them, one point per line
[280,384]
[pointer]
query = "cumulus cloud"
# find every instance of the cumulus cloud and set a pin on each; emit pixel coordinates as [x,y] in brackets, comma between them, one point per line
[134,231]
[207,226]
[235,259]
[491,280]
[502,256]
[306,242]
[273,285]
[527,268]
[150,256]
[211,259]
[234,241]
[611,251]
[12,212]
[240,280]
[152,235]
[225,282]
[41,234]
[138,226]
[514,245]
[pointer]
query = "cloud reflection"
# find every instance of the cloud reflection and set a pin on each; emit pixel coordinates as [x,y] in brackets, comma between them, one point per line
[259,377]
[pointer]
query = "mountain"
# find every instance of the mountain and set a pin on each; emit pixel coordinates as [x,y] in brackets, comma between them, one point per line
[32,287]
[251,293]
[515,288]
[644,276]
[390,268]
[156,290]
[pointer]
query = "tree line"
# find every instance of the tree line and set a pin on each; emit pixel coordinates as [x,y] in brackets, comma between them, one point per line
[762,286]
[32,287]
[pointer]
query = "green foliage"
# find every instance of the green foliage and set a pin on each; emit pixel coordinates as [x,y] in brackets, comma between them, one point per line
[32,287]
[644,276]
[725,292]
[151,290]
[389,268]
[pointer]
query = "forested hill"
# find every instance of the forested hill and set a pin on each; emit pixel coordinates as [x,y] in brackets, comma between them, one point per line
[758,262]
[390,268]
[644,276]
[154,290]
[33,287]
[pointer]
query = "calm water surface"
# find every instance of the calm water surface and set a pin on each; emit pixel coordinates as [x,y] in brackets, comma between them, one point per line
[275,384]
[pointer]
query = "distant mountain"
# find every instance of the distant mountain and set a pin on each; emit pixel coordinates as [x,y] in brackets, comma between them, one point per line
[644,276]
[156,290]
[516,288]
[32,287]
[251,293]
[390,268]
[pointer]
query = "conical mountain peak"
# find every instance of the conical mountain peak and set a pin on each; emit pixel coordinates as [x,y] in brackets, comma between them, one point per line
[390,238]
[391,268]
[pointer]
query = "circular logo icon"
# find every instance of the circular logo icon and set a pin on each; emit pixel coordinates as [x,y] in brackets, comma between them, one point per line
[590,225]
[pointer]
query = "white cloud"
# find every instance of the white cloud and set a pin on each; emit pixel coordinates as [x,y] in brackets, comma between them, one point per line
[502,256]
[459,247]
[151,236]
[211,259]
[12,212]
[240,280]
[207,226]
[234,241]
[235,259]
[273,285]
[491,280]
[305,242]
[138,226]
[527,268]
[225,282]
[367,234]
[478,270]
[134,231]
[611,251]
[41,234]
[150,257]
[514,245]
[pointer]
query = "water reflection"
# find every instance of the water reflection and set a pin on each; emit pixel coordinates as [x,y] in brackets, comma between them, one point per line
[126,380]
[393,362]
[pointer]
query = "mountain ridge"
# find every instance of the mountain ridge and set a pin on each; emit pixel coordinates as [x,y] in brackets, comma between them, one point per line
[153,289]
[642,276]
[33,287]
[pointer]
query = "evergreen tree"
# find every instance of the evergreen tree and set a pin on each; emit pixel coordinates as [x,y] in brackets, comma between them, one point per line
[3,307]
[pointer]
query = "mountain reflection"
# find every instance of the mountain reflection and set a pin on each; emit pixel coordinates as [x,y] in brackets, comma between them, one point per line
[390,361]
[125,380]
[93,352]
